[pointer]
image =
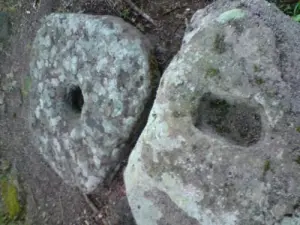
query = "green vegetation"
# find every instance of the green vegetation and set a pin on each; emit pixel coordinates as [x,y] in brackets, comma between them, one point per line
[212,72]
[296,13]
[9,195]
[292,10]
[11,210]
[298,129]
[125,13]
[9,6]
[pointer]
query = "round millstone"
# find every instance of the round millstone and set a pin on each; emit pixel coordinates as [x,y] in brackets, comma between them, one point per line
[91,77]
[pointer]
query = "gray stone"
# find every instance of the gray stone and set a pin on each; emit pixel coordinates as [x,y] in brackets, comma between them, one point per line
[4,26]
[221,145]
[90,79]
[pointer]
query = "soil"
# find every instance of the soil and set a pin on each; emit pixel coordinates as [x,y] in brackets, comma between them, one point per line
[49,200]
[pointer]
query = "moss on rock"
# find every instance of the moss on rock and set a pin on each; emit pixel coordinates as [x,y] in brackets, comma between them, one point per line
[219,44]
[212,72]
[11,208]
[9,194]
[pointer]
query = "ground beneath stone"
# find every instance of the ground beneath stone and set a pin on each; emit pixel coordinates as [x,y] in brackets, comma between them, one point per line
[49,200]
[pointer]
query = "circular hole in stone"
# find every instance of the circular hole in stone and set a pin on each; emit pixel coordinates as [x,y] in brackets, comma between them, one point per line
[74,98]
[238,123]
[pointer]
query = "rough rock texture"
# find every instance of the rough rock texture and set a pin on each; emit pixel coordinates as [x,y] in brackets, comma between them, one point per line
[91,77]
[221,146]
[4,26]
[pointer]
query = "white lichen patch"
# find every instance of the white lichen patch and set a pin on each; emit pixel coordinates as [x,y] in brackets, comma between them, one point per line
[232,14]
[272,109]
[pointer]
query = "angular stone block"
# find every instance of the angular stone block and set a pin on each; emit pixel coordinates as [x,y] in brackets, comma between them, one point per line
[221,146]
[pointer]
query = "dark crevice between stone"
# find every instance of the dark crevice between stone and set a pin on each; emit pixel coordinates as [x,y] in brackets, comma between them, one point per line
[116,174]
[238,123]
[133,138]
[291,214]
[136,131]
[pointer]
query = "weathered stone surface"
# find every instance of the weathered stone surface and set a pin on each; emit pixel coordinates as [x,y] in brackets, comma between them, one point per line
[221,146]
[4,26]
[91,77]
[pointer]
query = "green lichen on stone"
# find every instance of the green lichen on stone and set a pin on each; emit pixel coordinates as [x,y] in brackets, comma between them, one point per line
[259,81]
[233,14]
[256,68]
[212,72]
[298,129]
[9,195]
[297,160]
[267,166]
[219,44]
[11,209]
[9,6]
[4,166]
[26,86]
